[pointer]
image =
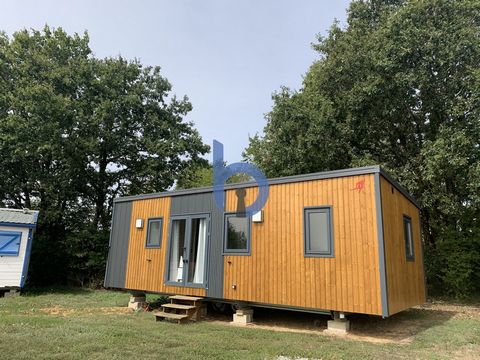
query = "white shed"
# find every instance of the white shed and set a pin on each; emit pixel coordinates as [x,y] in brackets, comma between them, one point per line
[16,234]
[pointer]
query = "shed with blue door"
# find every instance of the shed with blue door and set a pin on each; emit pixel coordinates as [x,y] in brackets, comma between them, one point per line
[16,235]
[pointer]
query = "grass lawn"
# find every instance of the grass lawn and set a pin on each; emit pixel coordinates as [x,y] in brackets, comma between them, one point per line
[78,324]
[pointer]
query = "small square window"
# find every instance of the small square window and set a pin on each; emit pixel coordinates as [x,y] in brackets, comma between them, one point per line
[10,243]
[318,231]
[236,234]
[408,235]
[154,233]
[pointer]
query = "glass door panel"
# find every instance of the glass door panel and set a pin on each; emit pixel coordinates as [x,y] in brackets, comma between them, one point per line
[177,251]
[196,255]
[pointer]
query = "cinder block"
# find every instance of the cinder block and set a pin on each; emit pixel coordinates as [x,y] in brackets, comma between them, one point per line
[243,316]
[242,312]
[137,299]
[242,319]
[136,305]
[338,326]
[12,293]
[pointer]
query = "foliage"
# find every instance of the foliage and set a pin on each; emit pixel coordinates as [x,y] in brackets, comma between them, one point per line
[201,175]
[398,86]
[77,131]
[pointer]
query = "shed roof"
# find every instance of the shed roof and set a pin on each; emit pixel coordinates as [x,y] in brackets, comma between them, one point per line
[18,217]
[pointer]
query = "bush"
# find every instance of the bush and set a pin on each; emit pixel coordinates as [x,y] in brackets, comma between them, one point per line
[453,266]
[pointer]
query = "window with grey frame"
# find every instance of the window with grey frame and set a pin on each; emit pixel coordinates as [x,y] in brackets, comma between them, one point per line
[408,236]
[154,233]
[318,231]
[236,238]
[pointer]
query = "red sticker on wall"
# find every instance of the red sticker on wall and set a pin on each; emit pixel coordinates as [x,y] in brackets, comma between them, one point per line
[360,185]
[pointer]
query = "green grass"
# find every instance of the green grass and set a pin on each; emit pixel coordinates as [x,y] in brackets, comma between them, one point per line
[79,324]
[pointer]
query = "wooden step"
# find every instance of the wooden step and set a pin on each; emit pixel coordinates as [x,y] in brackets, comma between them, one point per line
[185,298]
[179,306]
[160,315]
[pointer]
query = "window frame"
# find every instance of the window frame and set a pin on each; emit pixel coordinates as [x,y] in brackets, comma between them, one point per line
[408,220]
[17,234]
[328,209]
[188,223]
[149,221]
[244,252]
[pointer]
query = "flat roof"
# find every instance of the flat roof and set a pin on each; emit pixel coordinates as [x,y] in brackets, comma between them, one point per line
[280,180]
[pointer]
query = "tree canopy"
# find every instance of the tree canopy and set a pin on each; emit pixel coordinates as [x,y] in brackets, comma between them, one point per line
[77,131]
[397,86]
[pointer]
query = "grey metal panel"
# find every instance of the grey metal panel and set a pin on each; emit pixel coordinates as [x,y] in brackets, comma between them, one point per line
[381,247]
[205,203]
[118,247]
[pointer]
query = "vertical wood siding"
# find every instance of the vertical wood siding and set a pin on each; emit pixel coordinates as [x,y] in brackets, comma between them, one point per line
[146,267]
[405,279]
[277,272]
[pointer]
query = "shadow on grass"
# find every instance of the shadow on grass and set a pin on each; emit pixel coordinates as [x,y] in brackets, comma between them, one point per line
[399,328]
[57,289]
[402,327]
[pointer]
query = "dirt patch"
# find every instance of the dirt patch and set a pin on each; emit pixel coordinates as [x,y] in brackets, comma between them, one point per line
[399,329]
[60,311]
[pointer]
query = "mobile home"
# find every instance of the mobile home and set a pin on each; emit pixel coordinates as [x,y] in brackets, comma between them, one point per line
[16,235]
[341,241]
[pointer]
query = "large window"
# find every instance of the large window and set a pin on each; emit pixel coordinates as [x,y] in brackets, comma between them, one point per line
[10,243]
[154,233]
[236,234]
[318,231]
[408,235]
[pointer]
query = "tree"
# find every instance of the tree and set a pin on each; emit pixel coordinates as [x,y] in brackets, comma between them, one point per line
[399,87]
[77,131]
[201,175]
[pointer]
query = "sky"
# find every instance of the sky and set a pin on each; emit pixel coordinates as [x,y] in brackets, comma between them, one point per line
[227,56]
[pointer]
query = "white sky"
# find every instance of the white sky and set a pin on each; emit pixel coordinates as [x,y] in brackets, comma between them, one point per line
[226,56]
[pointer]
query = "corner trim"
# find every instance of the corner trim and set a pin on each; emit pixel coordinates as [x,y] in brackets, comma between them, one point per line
[381,246]
[26,260]
[21,225]
[105,285]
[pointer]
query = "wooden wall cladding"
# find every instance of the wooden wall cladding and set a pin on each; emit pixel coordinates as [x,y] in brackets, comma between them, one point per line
[146,267]
[405,279]
[277,272]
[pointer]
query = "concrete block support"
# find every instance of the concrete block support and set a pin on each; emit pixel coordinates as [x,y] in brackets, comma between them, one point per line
[12,293]
[243,316]
[137,301]
[339,324]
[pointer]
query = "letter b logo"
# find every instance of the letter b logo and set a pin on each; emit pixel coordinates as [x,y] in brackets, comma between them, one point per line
[221,173]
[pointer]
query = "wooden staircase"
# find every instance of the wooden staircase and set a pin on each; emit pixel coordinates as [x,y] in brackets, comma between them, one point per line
[181,309]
